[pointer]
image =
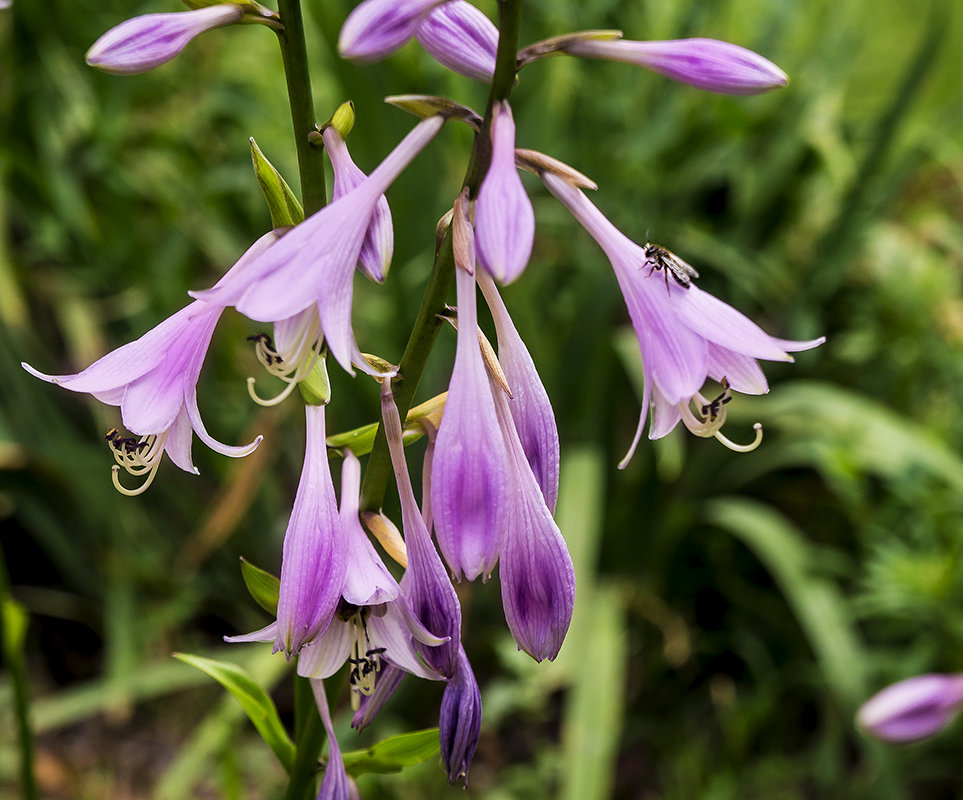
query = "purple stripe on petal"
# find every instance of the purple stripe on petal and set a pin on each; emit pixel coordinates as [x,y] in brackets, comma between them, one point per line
[376,28]
[459,723]
[460,37]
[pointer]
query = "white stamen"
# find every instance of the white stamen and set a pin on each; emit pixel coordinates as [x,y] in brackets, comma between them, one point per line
[365,660]
[300,361]
[743,448]
[143,458]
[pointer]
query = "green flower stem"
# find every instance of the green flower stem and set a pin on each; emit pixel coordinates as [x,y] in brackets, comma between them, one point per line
[295,57]
[427,324]
[309,734]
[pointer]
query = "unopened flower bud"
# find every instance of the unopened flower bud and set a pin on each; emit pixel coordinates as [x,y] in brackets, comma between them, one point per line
[376,28]
[459,724]
[459,36]
[704,63]
[343,119]
[504,218]
[913,709]
[145,42]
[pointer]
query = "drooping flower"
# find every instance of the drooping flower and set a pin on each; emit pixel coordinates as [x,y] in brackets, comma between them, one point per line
[704,63]
[535,569]
[142,43]
[425,585]
[685,335]
[469,487]
[913,709]
[504,219]
[459,36]
[459,723]
[314,263]
[529,403]
[376,28]
[335,783]
[154,382]
[379,242]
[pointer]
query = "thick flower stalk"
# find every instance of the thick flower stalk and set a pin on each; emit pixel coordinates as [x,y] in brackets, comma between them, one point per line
[376,28]
[913,709]
[685,335]
[459,36]
[142,43]
[469,486]
[707,64]
[504,219]
[314,263]
[154,382]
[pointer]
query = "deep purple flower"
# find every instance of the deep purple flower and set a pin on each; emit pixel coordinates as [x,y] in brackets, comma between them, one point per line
[314,263]
[376,28]
[460,37]
[685,334]
[425,585]
[459,723]
[379,242]
[469,487]
[913,709]
[529,403]
[142,43]
[704,63]
[504,219]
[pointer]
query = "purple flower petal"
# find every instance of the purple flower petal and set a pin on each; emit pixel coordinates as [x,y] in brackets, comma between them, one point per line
[145,42]
[704,63]
[459,723]
[460,37]
[913,709]
[335,784]
[376,28]
[504,219]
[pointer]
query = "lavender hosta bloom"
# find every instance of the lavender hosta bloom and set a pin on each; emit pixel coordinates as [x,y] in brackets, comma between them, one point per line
[913,709]
[376,28]
[459,36]
[314,263]
[459,723]
[504,219]
[425,585]
[685,335]
[142,43]
[530,406]
[469,487]
[704,63]
[536,572]
[335,785]
[379,242]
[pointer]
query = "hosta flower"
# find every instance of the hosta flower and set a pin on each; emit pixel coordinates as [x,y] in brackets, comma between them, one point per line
[460,37]
[913,709]
[314,263]
[335,783]
[372,623]
[459,723]
[685,335]
[469,487]
[425,585]
[504,219]
[378,246]
[142,43]
[376,28]
[530,407]
[704,63]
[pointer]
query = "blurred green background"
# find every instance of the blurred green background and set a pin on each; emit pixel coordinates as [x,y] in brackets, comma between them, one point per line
[732,611]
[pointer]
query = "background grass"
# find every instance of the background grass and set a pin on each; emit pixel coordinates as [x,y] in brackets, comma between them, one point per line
[733,610]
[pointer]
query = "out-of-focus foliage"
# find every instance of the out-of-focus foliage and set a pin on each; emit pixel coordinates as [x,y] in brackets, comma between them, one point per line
[732,611]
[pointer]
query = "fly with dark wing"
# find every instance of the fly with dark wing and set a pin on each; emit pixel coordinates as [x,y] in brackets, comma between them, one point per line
[670,264]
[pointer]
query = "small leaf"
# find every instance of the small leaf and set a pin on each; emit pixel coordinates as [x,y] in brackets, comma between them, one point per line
[264,587]
[256,702]
[393,754]
[283,204]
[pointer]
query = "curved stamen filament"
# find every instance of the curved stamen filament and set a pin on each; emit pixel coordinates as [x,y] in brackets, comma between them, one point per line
[365,660]
[300,361]
[743,448]
[707,426]
[139,457]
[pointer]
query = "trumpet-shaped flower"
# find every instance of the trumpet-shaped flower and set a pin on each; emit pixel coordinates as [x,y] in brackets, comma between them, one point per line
[529,403]
[379,242]
[460,37]
[913,709]
[314,263]
[685,335]
[376,28]
[425,585]
[504,219]
[469,487]
[704,63]
[142,43]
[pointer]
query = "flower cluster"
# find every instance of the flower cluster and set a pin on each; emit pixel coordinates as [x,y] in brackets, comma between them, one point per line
[491,469]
